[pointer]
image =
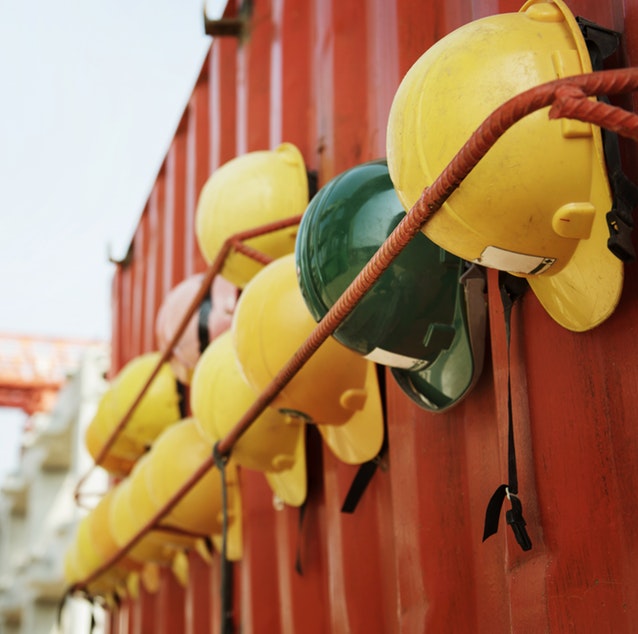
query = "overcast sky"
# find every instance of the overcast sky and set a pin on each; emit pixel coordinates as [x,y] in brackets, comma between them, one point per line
[90,95]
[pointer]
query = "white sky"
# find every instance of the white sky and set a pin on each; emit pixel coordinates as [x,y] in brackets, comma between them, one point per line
[90,95]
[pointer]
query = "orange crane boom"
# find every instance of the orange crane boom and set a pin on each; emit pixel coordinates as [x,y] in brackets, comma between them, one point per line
[34,368]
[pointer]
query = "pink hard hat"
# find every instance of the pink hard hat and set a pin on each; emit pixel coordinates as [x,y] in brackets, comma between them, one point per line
[213,317]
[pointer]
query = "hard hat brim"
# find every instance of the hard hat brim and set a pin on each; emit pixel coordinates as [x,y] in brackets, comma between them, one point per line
[587,290]
[452,375]
[291,485]
[360,438]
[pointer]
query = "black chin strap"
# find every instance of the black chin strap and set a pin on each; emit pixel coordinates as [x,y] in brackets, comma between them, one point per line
[302,514]
[182,395]
[60,610]
[203,315]
[601,44]
[366,471]
[511,289]
[92,622]
[226,608]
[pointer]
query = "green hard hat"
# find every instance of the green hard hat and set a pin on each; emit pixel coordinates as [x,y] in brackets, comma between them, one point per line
[425,317]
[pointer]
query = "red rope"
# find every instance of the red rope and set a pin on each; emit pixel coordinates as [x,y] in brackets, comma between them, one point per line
[572,103]
[252,253]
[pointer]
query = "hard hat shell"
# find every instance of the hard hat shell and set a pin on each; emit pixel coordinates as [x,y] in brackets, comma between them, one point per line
[131,510]
[336,389]
[88,557]
[175,456]
[535,205]
[249,191]
[414,319]
[72,574]
[274,443]
[214,317]
[84,558]
[158,408]
[101,537]
[156,477]
[119,460]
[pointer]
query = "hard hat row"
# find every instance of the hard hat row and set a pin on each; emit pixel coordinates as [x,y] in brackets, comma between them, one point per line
[535,207]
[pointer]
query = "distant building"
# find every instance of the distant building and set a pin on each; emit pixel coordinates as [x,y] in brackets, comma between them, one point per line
[37,510]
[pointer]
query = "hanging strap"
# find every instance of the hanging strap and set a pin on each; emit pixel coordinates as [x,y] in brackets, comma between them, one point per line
[366,470]
[92,622]
[620,219]
[208,544]
[202,322]
[60,609]
[360,482]
[313,183]
[601,44]
[182,396]
[511,289]
[474,287]
[226,589]
[302,515]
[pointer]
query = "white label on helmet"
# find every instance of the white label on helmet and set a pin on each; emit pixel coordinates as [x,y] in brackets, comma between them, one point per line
[496,258]
[392,359]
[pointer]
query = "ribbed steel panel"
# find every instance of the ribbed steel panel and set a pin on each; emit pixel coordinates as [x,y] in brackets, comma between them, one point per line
[322,74]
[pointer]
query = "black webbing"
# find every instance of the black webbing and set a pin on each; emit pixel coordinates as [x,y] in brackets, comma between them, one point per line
[182,393]
[60,609]
[366,470]
[92,622]
[620,220]
[359,484]
[313,183]
[208,544]
[202,322]
[302,515]
[511,289]
[601,44]
[226,583]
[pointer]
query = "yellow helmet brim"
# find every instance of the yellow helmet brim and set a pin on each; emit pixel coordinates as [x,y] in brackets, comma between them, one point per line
[291,485]
[360,438]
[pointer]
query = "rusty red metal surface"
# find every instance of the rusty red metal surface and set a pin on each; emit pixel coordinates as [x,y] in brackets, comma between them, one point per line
[322,75]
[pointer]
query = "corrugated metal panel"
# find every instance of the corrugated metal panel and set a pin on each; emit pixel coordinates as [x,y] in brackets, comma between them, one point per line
[322,75]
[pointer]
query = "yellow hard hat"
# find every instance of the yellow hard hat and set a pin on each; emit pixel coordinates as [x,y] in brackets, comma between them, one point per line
[337,389]
[72,574]
[175,456]
[69,565]
[131,509]
[158,408]
[119,460]
[177,453]
[274,444]
[84,558]
[211,319]
[249,191]
[88,559]
[535,205]
[102,539]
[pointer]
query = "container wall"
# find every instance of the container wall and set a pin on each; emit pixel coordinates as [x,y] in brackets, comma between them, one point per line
[322,74]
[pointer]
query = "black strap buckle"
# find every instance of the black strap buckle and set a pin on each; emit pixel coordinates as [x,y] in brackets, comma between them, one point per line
[625,198]
[514,517]
[511,288]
